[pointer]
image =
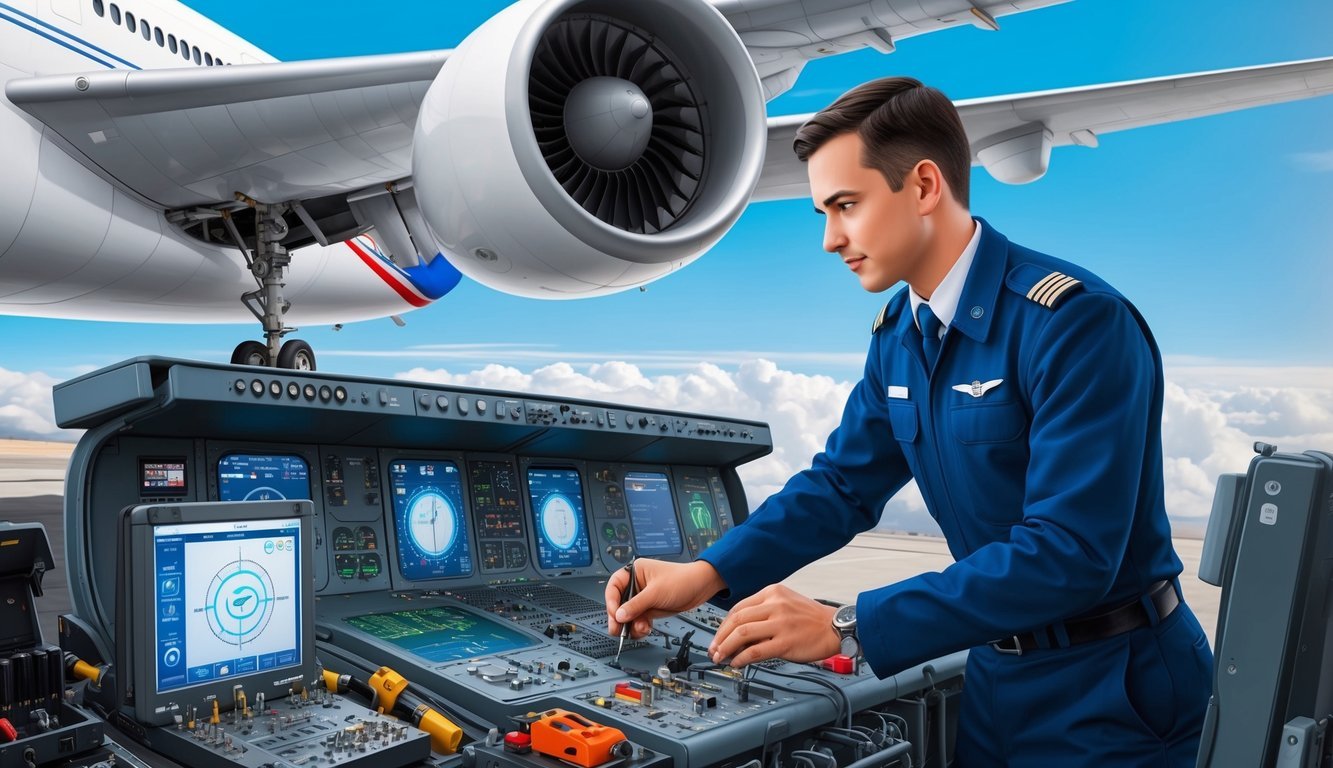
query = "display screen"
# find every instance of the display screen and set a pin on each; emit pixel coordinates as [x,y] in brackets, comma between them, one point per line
[702,526]
[557,511]
[497,501]
[656,530]
[252,477]
[226,600]
[428,520]
[162,477]
[440,634]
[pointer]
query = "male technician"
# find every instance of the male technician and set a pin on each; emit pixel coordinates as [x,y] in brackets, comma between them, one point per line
[1024,395]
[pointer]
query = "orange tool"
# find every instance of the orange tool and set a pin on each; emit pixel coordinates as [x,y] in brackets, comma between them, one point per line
[569,736]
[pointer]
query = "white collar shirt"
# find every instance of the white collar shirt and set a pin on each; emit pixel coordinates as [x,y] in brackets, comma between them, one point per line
[944,301]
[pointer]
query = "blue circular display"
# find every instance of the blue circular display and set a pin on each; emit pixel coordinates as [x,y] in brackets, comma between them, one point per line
[432,522]
[239,602]
[559,521]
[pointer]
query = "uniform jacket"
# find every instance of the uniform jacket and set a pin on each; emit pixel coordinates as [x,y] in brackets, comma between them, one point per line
[1035,441]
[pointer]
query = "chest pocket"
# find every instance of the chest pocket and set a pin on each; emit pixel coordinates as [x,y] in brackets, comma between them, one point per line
[975,423]
[902,418]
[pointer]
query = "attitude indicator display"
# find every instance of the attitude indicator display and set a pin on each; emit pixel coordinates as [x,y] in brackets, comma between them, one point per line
[429,519]
[556,494]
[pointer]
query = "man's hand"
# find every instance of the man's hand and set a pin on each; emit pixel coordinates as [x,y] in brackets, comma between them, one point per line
[776,623]
[663,589]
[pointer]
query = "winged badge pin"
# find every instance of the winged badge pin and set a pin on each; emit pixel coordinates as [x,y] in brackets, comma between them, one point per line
[977,388]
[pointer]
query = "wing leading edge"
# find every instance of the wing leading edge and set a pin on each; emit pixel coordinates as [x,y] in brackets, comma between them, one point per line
[1012,136]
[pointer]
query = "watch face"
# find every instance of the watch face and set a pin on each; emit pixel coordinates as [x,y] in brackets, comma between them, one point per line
[846,616]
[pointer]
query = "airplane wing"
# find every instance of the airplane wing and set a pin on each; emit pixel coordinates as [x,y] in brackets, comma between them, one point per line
[306,129]
[291,130]
[1012,136]
[782,35]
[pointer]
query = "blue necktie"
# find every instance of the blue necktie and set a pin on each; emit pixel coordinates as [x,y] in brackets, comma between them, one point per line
[930,333]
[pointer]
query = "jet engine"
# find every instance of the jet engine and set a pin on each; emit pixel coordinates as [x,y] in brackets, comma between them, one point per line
[573,148]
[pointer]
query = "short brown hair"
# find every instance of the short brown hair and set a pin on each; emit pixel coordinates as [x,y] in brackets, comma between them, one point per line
[901,122]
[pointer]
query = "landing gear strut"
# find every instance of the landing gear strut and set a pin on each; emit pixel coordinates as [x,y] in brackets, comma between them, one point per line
[268,263]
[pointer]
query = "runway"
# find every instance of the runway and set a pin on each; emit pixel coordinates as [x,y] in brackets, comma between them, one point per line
[32,479]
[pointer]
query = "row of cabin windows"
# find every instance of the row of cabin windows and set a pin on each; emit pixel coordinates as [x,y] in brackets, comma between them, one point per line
[154,34]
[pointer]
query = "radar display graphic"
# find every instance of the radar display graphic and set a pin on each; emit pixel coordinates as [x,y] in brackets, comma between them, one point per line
[441,634]
[240,602]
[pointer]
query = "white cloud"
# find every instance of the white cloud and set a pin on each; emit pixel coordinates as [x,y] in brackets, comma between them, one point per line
[1314,161]
[25,407]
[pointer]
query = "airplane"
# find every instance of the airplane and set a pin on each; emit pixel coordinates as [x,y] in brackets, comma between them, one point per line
[162,169]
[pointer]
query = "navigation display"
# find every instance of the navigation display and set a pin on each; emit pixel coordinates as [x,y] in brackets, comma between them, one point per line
[557,511]
[254,477]
[226,601]
[441,633]
[428,519]
[656,530]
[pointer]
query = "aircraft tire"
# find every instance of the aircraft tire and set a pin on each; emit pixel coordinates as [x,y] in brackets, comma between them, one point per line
[250,353]
[296,355]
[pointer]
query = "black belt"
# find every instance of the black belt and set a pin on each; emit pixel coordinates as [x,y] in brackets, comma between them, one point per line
[1127,617]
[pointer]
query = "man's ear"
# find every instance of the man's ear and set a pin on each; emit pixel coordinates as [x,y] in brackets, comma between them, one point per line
[928,182]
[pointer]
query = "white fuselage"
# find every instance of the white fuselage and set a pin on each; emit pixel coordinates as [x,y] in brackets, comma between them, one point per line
[74,244]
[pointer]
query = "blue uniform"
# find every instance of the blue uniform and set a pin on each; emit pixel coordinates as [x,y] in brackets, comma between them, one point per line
[1036,443]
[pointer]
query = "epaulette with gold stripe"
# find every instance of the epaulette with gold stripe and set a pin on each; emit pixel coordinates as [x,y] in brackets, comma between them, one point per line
[879,320]
[1043,286]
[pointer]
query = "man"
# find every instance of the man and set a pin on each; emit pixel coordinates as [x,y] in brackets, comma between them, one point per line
[1024,395]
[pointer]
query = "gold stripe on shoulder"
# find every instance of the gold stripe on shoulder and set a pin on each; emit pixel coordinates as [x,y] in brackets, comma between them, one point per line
[1054,288]
[1042,283]
[1054,297]
[879,319]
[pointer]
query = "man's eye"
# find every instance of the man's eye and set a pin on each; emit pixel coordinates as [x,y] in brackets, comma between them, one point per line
[845,205]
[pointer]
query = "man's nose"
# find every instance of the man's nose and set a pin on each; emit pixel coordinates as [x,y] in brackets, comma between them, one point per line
[834,239]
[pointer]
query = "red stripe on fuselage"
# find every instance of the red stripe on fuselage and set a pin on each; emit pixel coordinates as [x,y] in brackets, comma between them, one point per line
[378,268]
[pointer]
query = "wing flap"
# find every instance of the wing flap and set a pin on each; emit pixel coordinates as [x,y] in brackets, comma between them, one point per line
[275,132]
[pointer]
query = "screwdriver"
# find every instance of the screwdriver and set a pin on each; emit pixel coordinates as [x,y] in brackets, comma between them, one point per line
[625,598]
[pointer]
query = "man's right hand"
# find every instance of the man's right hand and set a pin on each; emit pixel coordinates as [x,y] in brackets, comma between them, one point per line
[663,589]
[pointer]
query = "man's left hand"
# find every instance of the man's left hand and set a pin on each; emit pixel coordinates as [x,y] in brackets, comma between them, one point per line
[776,623]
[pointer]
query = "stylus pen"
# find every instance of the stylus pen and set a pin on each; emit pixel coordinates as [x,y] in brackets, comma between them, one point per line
[625,598]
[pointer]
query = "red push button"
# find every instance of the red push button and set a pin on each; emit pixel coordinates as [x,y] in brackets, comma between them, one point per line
[843,665]
[518,741]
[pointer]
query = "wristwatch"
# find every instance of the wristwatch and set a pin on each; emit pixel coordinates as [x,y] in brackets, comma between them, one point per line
[844,621]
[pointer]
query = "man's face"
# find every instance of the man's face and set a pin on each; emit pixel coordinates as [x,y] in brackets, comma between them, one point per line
[879,234]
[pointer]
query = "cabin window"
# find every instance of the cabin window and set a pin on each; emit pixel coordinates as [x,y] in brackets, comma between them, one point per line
[185,49]
[99,8]
[145,30]
[171,43]
[208,59]
[157,35]
[197,57]
[129,22]
[115,13]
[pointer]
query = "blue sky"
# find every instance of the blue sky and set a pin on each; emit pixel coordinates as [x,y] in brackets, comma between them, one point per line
[1219,228]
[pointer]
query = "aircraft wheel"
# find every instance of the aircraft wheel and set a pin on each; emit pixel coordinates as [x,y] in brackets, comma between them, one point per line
[297,355]
[250,353]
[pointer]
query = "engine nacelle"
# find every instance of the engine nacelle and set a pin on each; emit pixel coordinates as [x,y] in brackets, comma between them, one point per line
[573,148]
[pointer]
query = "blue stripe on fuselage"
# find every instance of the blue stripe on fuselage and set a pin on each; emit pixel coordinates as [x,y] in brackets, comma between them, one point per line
[57,41]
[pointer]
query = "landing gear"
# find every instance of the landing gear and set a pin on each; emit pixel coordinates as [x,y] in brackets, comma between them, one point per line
[268,263]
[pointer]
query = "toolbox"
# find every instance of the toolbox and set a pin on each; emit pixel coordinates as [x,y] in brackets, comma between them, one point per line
[37,724]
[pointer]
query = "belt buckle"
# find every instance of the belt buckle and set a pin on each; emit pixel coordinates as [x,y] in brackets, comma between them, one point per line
[1017,650]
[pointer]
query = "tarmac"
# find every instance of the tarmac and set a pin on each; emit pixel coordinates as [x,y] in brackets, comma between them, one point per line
[32,483]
